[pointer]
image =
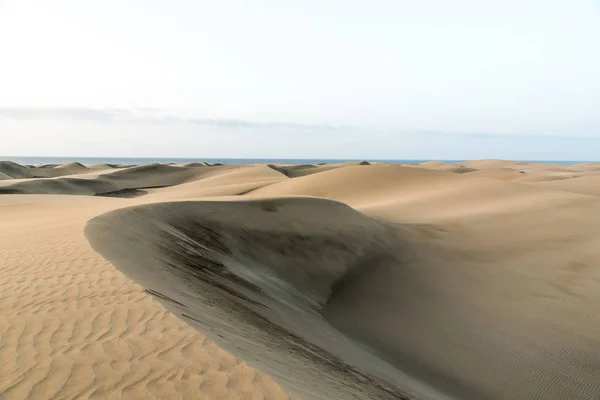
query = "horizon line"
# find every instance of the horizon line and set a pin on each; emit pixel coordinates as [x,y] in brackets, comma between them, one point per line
[3,158]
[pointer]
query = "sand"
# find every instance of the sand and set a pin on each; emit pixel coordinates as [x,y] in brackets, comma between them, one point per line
[475,280]
[73,326]
[12,170]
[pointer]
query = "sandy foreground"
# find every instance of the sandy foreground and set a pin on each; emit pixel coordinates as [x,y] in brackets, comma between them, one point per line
[477,280]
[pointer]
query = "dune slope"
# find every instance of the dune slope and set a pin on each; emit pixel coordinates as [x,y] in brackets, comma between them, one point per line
[113,182]
[257,284]
[584,185]
[480,288]
[13,170]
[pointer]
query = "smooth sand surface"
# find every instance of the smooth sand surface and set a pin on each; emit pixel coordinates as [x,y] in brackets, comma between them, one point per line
[475,280]
[589,184]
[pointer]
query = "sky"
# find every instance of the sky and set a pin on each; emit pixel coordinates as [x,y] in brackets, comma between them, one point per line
[397,79]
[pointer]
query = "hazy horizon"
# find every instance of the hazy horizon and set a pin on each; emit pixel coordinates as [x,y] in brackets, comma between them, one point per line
[338,80]
[47,160]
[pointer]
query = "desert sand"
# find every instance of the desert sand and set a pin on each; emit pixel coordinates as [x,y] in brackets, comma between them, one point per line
[475,280]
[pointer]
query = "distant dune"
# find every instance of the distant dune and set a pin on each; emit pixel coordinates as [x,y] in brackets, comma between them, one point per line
[474,280]
[587,166]
[583,185]
[102,166]
[4,176]
[72,166]
[13,170]
[137,177]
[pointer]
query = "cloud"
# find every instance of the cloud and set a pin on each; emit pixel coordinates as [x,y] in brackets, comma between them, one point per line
[65,113]
[161,118]
[143,115]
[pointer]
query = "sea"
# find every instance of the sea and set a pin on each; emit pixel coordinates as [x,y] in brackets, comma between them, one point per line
[151,160]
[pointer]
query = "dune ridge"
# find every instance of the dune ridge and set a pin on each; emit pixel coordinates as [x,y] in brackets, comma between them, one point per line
[132,178]
[226,294]
[14,170]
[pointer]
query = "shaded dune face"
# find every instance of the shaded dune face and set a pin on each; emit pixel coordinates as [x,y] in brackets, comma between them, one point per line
[258,285]
[335,304]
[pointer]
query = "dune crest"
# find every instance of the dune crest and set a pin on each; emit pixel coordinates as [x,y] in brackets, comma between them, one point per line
[14,171]
[271,275]
[72,165]
[102,166]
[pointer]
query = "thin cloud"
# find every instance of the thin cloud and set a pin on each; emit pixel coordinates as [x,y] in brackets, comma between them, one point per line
[65,113]
[142,115]
[162,117]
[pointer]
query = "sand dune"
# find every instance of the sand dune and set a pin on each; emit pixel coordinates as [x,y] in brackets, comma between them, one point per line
[222,181]
[376,182]
[14,171]
[74,327]
[294,171]
[102,166]
[527,167]
[113,181]
[42,166]
[583,185]
[532,178]
[58,186]
[441,166]
[242,309]
[461,169]
[432,164]
[73,167]
[586,166]
[337,281]
[518,171]
[3,176]
[487,164]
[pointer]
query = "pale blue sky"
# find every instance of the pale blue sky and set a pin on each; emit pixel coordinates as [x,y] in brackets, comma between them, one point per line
[301,79]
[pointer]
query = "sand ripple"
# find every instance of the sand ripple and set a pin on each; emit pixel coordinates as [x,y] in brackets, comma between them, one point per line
[74,327]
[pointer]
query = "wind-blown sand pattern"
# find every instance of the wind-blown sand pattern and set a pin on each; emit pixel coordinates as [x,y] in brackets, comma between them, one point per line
[478,280]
